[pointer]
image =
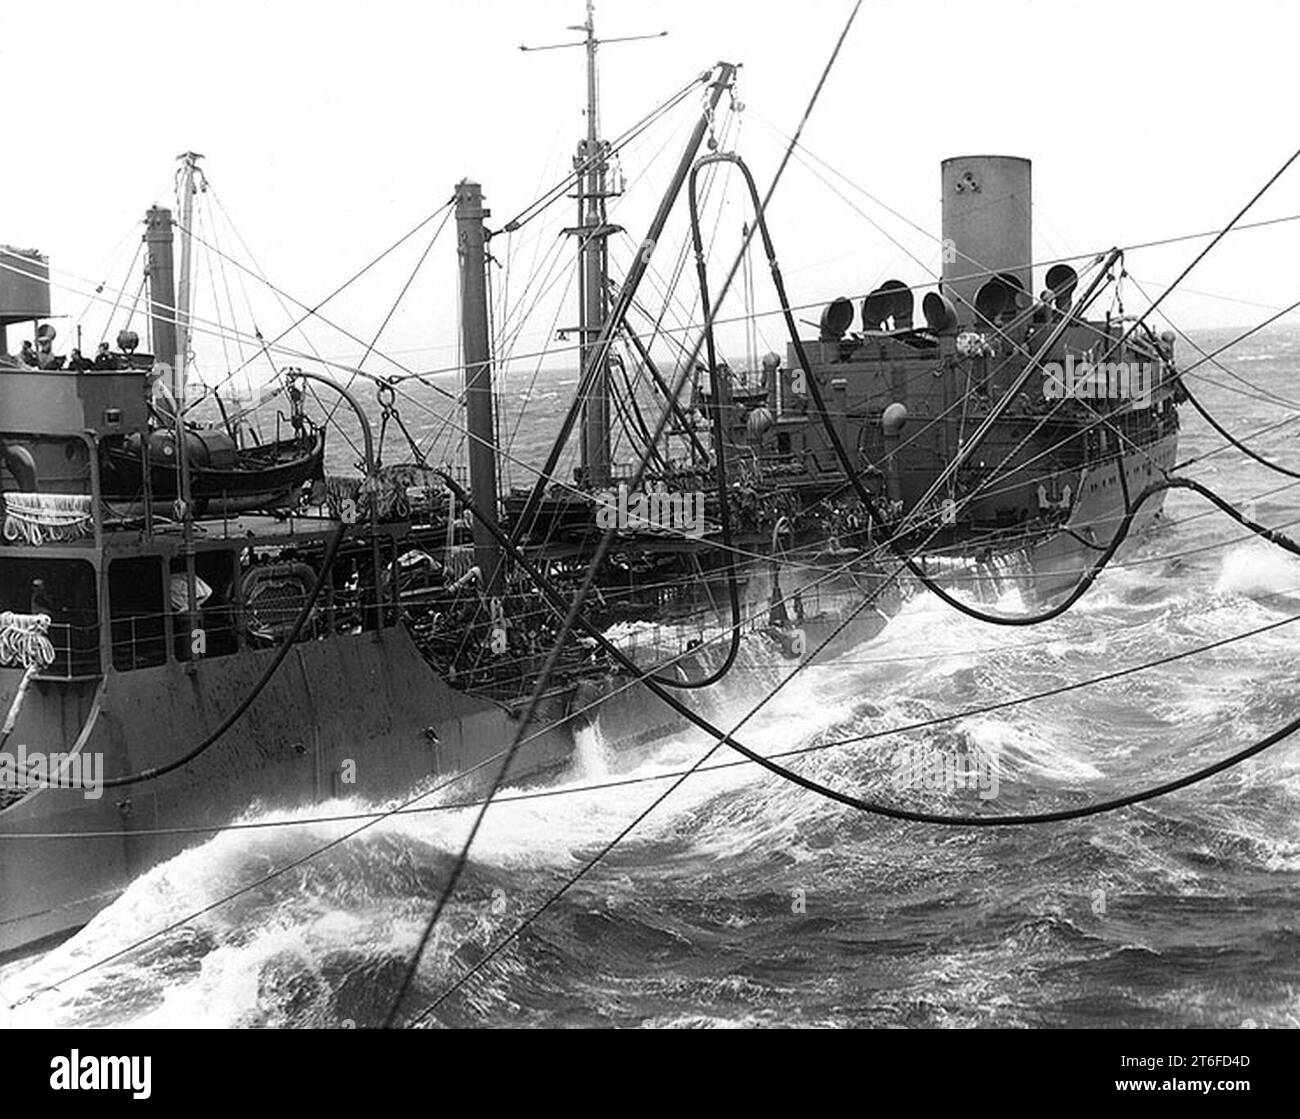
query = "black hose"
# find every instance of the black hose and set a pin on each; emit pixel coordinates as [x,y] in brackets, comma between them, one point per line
[846,464]
[1242,447]
[888,811]
[331,552]
[720,459]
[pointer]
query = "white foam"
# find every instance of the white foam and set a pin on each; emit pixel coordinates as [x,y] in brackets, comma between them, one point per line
[1258,568]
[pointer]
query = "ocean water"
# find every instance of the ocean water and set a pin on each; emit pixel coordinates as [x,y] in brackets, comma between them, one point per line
[743,901]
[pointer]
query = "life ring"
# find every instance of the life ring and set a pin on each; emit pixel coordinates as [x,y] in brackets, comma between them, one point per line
[273,594]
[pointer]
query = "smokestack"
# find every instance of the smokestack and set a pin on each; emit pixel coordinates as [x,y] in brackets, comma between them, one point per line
[986,230]
[162,287]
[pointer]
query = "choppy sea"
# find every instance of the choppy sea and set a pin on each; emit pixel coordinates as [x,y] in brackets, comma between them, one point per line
[742,901]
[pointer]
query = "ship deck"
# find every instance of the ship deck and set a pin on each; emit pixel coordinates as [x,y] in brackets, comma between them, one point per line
[126,536]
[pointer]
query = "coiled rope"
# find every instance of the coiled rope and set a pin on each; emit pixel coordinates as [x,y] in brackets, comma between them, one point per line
[24,640]
[41,518]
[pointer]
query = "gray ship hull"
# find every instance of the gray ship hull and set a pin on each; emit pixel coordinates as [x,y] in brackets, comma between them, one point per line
[360,715]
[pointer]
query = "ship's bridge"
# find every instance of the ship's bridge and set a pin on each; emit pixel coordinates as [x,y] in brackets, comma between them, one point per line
[64,404]
[95,562]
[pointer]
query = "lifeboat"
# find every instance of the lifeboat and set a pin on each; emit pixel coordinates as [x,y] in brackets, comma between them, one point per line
[221,473]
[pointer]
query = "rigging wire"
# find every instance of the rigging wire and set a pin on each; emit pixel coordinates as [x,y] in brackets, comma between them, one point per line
[1203,254]
[558,481]
[199,325]
[392,310]
[1243,521]
[313,311]
[557,192]
[1251,390]
[1209,418]
[860,804]
[411,801]
[833,437]
[574,612]
[873,512]
[393,381]
[908,560]
[641,779]
[720,464]
[987,273]
[121,291]
[372,819]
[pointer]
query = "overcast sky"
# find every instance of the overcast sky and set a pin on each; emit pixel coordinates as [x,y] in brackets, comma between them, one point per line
[331,127]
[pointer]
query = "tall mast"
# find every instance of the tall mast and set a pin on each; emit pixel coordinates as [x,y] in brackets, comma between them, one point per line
[189,165]
[723,77]
[594,252]
[477,356]
[189,168]
[592,231]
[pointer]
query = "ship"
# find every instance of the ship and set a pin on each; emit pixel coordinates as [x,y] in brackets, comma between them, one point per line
[206,624]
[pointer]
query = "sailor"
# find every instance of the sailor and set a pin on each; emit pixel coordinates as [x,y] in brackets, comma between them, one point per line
[40,600]
[697,393]
[1022,405]
[771,370]
[28,356]
[77,363]
[104,359]
[777,615]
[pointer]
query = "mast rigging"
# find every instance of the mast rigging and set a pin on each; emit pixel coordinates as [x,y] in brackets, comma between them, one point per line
[593,230]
